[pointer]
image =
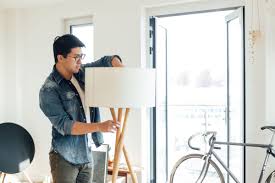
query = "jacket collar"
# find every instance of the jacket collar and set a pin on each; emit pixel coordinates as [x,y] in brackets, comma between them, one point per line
[56,75]
[59,78]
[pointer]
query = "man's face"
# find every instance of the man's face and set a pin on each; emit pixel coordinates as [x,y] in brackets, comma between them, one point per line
[73,60]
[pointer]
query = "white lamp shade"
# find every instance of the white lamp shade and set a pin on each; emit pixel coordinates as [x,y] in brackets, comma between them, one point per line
[119,87]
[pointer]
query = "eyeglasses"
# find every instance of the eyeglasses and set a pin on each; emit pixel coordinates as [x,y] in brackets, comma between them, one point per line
[78,57]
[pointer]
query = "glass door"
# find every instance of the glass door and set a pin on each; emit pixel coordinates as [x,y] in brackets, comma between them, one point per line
[200,75]
[235,87]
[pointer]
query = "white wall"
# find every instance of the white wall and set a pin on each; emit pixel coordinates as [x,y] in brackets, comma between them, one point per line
[120,28]
[2,62]
[260,90]
[270,65]
[255,102]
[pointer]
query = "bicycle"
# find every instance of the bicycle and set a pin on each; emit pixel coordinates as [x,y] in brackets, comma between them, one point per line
[198,168]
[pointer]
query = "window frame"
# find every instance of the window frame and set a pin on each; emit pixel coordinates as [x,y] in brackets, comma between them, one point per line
[77,21]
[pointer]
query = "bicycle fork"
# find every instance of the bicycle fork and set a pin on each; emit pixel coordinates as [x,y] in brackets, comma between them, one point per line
[207,159]
[204,169]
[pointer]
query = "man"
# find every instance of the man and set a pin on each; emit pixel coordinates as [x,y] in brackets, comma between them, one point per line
[62,100]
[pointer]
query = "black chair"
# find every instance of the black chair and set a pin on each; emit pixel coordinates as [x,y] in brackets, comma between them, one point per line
[16,149]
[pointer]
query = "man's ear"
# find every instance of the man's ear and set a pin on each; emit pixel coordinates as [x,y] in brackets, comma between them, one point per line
[60,57]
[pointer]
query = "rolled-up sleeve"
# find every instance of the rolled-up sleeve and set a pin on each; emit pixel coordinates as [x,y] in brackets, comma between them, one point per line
[52,107]
[105,61]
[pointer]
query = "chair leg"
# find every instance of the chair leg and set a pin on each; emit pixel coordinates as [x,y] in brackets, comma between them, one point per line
[2,177]
[26,175]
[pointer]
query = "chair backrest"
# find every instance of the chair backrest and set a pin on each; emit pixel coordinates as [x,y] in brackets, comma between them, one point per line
[16,148]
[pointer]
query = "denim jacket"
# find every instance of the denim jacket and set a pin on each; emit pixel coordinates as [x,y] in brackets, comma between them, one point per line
[61,103]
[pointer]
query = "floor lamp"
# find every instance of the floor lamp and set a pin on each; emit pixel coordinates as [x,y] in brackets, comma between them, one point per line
[121,88]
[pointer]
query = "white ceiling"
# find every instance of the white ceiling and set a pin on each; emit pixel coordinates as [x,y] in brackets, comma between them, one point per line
[26,3]
[38,3]
[4,4]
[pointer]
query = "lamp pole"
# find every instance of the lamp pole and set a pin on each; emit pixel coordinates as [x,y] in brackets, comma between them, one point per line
[119,145]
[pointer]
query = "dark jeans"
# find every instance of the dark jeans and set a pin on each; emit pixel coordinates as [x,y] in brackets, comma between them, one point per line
[65,172]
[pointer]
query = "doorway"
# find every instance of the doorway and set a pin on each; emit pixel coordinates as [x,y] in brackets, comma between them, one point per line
[199,60]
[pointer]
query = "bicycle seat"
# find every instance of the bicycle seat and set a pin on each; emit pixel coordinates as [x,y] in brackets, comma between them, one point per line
[268,127]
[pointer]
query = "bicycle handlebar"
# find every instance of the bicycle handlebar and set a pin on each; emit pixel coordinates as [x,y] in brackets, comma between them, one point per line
[189,142]
[268,127]
[213,138]
[203,134]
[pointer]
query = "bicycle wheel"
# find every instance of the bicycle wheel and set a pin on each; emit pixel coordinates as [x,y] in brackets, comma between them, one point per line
[271,177]
[188,168]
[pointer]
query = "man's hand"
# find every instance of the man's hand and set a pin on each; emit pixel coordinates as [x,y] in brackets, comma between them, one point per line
[116,62]
[108,126]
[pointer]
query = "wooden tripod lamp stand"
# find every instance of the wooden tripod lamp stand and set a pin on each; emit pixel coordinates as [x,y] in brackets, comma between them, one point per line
[120,88]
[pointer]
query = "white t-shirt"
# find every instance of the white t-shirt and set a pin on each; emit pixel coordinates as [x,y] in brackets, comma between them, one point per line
[86,109]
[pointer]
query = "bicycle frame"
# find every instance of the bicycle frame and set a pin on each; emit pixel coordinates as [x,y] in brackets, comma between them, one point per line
[211,152]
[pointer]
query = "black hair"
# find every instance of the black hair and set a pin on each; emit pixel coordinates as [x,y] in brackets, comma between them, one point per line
[63,44]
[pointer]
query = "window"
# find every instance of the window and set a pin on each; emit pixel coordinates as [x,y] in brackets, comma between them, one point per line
[83,28]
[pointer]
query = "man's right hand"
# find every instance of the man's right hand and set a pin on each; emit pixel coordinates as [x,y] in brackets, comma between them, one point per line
[108,126]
